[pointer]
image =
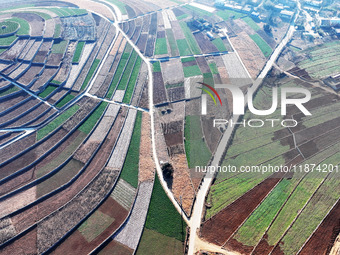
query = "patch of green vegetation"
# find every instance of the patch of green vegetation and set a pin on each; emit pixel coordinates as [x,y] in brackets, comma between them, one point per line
[57,31]
[190,71]
[161,46]
[208,79]
[59,47]
[56,82]
[156,66]
[188,59]
[45,16]
[198,11]
[213,68]
[7,41]
[227,14]
[183,16]
[132,81]
[154,243]
[78,52]
[95,225]
[47,91]
[197,151]
[251,23]
[219,44]
[65,100]
[41,133]
[8,91]
[163,216]
[79,12]
[183,47]
[120,5]
[127,72]
[190,38]
[91,121]
[176,85]
[24,26]
[131,164]
[253,229]
[90,73]
[264,47]
[8,26]
[172,42]
[123,60]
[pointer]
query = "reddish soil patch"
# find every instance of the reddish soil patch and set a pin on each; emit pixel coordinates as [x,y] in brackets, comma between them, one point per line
[263,248]
[29,216]
[115,247]
[221,226]
[77,244]
[25,245]
[324,237]
[237,246]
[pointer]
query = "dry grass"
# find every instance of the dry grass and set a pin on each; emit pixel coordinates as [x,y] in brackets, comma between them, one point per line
[146,164]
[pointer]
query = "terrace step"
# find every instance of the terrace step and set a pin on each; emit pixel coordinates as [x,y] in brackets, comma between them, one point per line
[124,194]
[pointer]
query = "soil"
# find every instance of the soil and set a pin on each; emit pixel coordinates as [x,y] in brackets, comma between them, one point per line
[159,93]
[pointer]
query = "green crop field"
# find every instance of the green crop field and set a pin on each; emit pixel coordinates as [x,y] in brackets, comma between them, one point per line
[8,26]
[190,38]
[59,47]
[127,72]
[191,71]
[219,44]
[183,16]
[7,41]
[264,47]
[161,46]
[90,73]
[208,79]
[41,133]
[227,14]
[57,31]
[91,121]
[197,151]
[198,11]
[8,91]
[65,100]
[163,216]
[123,60]
[132,81]
[156,67]
[78,52]
[213,68]
[172,42]
[24,26]
[183,47]
[188,59]
[251,23]
[120,5]
[131,164]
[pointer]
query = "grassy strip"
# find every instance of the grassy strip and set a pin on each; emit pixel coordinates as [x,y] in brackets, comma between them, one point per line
[124,58]
[90,122]
[264,47]
[56,82]
[190,71]
[183,16]
[188,59]
[90,73]
[41,133]
[132,81]
[190,38]
[213,68]
[253,229]
[9,91]
[183,47]
[172,42]
[120,5]
[163,216]
[65,100]
[208,79]
[131,163]
[156,66]
[59,47]
[161,46]
[251,23]
[78,52]
[227,14]
[127,72]
[7,41]
[219,44]
[176,85]
[57,31]
[196,149]
[48,90]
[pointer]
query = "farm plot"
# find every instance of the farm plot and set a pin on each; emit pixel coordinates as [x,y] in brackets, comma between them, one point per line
[36,23]
[13,52]
[172,42]
[26,49]
[42,54]
[19,71]
[159,94]
[44,78]
[30,76]
[171,73]
[206,45]
[164,223]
